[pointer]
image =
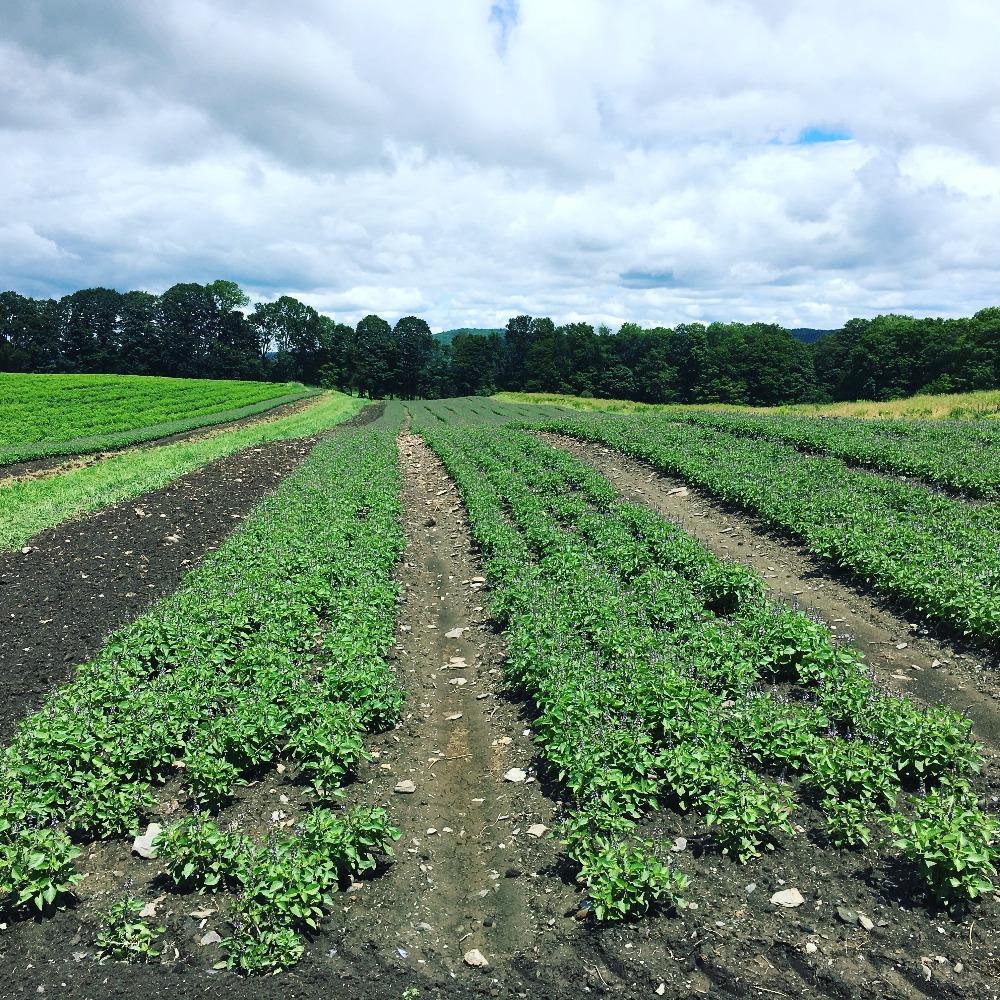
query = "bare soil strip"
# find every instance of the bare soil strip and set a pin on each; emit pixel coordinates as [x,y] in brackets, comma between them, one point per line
[465,875]
[908,659]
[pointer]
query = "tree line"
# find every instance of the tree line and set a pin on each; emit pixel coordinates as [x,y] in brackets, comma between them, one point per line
[211,331]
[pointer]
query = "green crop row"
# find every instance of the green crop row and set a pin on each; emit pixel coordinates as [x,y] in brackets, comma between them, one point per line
[49,409]
[963,455]
[270,652]
[936,553]
[662,676]
[115,440]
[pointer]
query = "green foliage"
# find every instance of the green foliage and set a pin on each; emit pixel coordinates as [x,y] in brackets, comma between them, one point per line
[645,657]
[272,649]
[125,935]
[28,506]
[952,843]
[196,854]
[259,948]
[961,454]
[746,813]
[909,542]
[625,880]
[42,415]
[36,868]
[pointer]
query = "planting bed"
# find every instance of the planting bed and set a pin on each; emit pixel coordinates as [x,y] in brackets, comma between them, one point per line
[609,754]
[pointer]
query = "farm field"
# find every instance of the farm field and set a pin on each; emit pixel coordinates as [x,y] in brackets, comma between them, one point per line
[477,698]
[47,415]
[35,501]
[982,404]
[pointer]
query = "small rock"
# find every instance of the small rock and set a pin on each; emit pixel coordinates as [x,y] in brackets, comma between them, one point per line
[537,830]
[788,898]
[458,681]
[661,989]
[846,915]
[212,937]
[476,959]
[454,717]
[515,774]
[405,787]
[866,922]
[143,845]
[424,927]
[810,948]
[680,844]
[455,633]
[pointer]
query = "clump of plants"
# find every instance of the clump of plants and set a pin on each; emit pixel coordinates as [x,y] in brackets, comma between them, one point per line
[125,935]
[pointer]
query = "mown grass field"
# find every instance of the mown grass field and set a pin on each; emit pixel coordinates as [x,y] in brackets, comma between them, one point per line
[587,730]
[947,406]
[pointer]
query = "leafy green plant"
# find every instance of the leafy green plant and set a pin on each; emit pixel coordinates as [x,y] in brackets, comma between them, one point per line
[36,868]
[848,822]
[195,853]
[626,880]
[747,813]
[952,843]
[125,935]
[261,948]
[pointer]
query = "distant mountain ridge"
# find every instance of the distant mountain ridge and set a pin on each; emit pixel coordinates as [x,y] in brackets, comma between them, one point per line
[447,336]
[808,335]
[805,334]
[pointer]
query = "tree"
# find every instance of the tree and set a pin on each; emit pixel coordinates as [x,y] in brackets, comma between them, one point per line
[414,342]
[374,361]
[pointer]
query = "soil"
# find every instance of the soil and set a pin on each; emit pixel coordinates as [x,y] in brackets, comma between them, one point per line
[481,880]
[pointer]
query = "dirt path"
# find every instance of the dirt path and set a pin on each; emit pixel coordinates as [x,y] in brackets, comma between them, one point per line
[907,659]
[466,863]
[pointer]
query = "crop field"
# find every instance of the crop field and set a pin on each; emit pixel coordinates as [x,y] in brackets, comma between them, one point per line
[43,415]
[487,698]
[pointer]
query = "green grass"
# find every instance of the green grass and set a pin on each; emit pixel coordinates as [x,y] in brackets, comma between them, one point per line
[42,415]
[29,506]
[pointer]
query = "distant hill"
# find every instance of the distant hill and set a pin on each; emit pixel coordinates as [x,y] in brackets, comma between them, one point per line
[808,335]
[447,336]
[805,334]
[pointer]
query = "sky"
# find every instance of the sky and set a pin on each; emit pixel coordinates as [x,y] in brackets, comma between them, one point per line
[656,161]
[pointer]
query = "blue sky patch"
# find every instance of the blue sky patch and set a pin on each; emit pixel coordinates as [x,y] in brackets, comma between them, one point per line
[819,133]
[504,15]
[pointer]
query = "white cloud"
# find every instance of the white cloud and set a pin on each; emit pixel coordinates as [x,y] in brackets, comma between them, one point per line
[608,161]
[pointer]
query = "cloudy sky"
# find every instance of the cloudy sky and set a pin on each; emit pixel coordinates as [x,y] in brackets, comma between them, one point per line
[651,160]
